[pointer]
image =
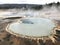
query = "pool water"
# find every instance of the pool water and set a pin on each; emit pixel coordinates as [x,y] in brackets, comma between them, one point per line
[33,27]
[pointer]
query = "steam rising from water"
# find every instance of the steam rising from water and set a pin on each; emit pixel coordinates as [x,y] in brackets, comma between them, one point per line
[52,12]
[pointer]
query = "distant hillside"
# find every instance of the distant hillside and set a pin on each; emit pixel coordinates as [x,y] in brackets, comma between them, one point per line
[26,6]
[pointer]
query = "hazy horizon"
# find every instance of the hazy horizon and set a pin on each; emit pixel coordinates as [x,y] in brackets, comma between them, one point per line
[27,1]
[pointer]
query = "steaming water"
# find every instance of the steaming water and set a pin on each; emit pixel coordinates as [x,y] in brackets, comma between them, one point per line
[52,12]
[33,27]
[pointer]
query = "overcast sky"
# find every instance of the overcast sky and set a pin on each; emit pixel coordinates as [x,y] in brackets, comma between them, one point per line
[28,1]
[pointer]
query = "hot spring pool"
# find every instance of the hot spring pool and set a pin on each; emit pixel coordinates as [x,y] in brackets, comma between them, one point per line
[33,27]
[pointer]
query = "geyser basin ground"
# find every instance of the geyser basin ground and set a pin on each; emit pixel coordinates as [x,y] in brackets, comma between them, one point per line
[36,27]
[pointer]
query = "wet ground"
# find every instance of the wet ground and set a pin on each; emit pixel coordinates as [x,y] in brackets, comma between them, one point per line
[10,39]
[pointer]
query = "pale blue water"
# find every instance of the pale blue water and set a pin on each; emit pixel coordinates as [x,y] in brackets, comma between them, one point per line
[40,27]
